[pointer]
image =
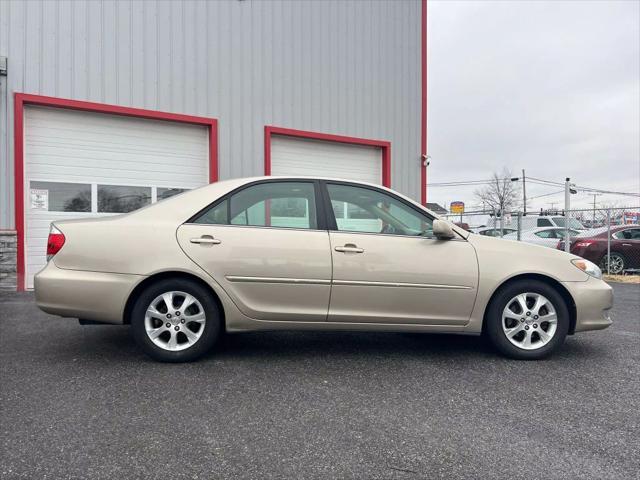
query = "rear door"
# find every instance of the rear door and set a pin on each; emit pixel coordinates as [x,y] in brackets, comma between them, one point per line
[267,246]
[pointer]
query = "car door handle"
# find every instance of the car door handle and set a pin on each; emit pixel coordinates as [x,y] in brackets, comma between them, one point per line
[349,248]
[626,244]
[206,240]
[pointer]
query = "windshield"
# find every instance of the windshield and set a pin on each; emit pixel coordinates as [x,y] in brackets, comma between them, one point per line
[573,223]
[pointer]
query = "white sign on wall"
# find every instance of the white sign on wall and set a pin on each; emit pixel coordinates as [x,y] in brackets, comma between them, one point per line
[39,199]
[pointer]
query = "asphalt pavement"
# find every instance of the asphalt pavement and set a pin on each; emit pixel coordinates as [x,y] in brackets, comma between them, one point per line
[83,402]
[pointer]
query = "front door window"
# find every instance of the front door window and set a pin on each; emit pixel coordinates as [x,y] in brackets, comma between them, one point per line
[359,209]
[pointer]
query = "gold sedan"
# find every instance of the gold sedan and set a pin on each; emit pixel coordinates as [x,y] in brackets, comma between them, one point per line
[274,253]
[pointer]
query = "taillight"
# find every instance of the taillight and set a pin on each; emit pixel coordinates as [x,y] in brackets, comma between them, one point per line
[54,242]
[583,244]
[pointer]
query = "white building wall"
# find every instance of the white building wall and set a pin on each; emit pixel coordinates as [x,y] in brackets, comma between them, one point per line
[346,67]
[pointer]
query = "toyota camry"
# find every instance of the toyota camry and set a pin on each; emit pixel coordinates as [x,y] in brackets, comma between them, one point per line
[274,253]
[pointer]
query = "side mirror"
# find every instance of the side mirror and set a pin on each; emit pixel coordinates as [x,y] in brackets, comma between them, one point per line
[443,230]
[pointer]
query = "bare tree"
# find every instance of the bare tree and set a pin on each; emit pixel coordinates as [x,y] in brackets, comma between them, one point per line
[501,194]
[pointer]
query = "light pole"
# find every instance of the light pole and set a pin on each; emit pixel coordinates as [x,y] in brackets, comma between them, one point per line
[524,190]
[569,189]
[524,193]
[594,208]
[524,196]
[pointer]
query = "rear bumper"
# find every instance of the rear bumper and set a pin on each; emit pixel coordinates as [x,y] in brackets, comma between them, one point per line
[80,294]
[593,299]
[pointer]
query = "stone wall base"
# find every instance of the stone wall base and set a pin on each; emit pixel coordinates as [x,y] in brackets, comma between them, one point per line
[8,260]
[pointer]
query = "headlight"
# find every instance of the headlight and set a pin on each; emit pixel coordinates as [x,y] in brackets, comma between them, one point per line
[587,267]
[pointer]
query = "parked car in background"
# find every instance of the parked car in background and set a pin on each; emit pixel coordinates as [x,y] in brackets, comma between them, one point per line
[463,225]
[535,221]
[547,236]
[495,232]
[624,248]
[287,253]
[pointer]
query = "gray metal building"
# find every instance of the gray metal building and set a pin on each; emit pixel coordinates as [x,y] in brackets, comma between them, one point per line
[152,97]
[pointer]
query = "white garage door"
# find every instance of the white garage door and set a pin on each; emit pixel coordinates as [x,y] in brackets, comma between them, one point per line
[81,164]
[321,158]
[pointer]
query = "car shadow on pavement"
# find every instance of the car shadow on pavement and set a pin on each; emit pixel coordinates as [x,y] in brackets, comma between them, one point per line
[349,344]
[116,342]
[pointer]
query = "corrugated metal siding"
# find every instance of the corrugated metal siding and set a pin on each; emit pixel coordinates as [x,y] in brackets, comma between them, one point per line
[346,67]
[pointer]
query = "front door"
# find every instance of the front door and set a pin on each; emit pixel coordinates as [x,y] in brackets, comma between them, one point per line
[266,247]
[387,266]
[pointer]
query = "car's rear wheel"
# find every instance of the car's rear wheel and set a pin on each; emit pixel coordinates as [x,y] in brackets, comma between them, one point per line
[616,263]
[527,320]
[175,320]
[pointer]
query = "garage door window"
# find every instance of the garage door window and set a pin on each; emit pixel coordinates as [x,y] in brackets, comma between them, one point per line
[60,196]
[121,198]
[169,192]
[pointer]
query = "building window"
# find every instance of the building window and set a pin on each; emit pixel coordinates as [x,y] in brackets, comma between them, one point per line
[121,198]
[169,192]
[60,196]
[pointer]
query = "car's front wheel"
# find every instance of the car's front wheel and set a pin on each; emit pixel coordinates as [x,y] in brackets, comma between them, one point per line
[527,320]
[175,320]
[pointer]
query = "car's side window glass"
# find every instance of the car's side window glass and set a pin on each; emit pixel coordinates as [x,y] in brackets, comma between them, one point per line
[544,222]
[275,204]
[216,215]
[546,234]
[358,209]
[631,234]
[271,204]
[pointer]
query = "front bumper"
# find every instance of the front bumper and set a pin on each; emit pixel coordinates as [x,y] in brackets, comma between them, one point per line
[593,299]
[95,296]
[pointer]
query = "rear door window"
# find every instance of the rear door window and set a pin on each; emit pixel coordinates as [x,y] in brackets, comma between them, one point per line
[270,204]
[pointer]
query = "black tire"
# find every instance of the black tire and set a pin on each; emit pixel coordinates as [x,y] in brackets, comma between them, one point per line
[208,337]
[619,259]
[493,319]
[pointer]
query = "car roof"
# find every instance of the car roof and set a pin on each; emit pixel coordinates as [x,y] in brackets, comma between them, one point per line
[542,229]
[224,187]
[246,180]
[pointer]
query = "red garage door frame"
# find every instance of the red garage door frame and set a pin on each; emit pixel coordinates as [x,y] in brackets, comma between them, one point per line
[22,99]
[384,146]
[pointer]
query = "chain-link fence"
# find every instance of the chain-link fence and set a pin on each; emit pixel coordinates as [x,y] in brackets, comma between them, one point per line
[609,237]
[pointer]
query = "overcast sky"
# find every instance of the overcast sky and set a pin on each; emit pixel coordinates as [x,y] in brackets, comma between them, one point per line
[549,86]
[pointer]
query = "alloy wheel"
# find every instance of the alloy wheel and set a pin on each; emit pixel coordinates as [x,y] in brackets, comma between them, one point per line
[529,321]
[615,264]
[174,320]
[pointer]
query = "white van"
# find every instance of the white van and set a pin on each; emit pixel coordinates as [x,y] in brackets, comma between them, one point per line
[535,221]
